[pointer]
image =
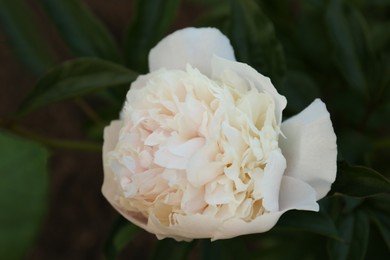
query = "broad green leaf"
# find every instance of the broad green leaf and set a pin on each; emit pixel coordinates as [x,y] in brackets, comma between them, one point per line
[172,250]
[152,21]
[253,37]
[81,30]
[24,38]
[354,229]
[75,78]
[359,181]
[345,54]
[23,194]
[316,222]
[121,234]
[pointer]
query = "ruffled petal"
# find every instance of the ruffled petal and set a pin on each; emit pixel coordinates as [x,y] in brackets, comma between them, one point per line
[111,135]
[224,70]
[310,147]
[195,46]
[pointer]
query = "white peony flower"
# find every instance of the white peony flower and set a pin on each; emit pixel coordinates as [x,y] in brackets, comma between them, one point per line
[200,150]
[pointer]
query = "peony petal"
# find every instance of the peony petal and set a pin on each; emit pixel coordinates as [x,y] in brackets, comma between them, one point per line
[296,194]
[111,135]
[202,167]
[195,46]
[110,187]
[222,67]
[187,227]
[270,185]
[310,147]
[237,227]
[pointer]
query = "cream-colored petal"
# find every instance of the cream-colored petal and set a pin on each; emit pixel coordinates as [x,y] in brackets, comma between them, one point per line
[310,147]
[270,185]
[296,194]
[202,167]
[237,227]
[195,46]
[186,227]
[110,187]
[111,135]
[222,67]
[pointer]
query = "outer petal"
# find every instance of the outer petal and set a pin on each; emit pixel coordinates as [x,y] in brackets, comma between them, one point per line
[310,147]
[294,194]
[195,46]
[273,174]
[111,134]
[223,70]
[237,227]
[186,228]
[110,187]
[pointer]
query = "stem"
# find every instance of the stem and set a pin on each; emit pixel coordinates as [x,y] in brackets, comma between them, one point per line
[58,143]
[88,111]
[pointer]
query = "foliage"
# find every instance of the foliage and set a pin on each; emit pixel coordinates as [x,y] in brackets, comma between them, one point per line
[338,50]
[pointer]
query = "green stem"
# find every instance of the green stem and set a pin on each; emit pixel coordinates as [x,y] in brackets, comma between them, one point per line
[88,111]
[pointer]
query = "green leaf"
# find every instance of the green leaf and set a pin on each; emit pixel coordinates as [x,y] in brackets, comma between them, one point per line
[379,212]
[359,181]
[23,194]
[172,250]
[81,30]
[253,37]
[121,234]
[23,36]
[315,222]
[75,78]
[152,21]
[345,54]
[354,230]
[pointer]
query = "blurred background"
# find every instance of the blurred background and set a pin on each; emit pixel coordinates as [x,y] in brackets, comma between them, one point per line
[336,50]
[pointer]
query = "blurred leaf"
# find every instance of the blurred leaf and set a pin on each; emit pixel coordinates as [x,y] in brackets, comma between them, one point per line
[75,78]
[253,37]
[152,21]
[345,54]
[281,244]
[23,190]
[169,248]
[121,234]
[359,181]
[353,145]
[24,38]
[354,230]
[215,16]
[382,221]
[316,222]
[380,35]
[81,30]
[379,212]
[361,35]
